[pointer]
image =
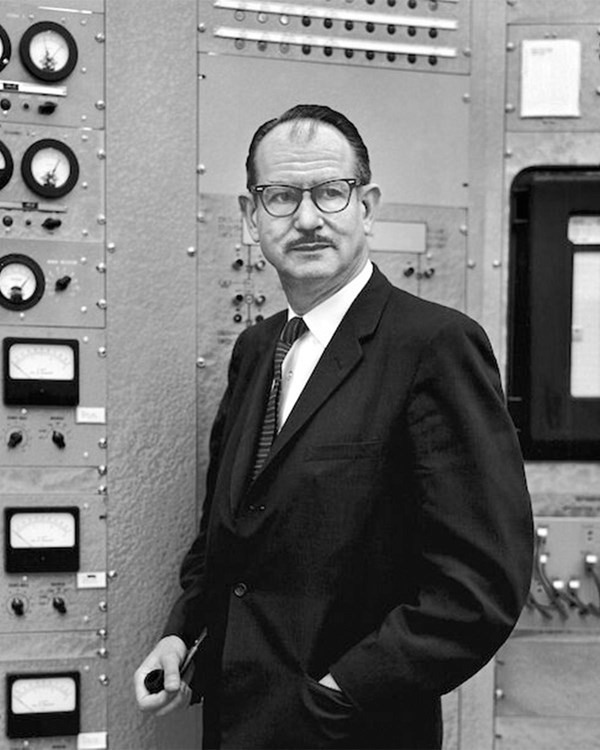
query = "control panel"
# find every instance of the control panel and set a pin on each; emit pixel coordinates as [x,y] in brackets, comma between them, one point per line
[565,588]
[53,407]
[414,35]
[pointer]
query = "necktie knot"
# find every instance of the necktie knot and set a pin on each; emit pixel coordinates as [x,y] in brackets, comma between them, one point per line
[292,330]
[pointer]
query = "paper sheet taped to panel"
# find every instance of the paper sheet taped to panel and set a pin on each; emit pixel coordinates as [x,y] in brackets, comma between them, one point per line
[550,78]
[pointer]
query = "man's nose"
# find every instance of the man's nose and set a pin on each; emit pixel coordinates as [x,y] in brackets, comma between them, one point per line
[307,215]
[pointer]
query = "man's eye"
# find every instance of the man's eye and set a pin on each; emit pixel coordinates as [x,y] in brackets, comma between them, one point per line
[282,196]
[331,191]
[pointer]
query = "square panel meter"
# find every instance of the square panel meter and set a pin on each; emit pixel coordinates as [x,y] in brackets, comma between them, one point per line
[41,372]
[41,540]
[42,704]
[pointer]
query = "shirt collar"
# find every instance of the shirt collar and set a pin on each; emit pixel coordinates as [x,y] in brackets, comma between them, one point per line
[323,320]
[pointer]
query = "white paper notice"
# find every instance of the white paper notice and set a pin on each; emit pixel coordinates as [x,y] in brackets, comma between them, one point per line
[550,78]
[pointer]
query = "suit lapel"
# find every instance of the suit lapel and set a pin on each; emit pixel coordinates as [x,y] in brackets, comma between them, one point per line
[339,359]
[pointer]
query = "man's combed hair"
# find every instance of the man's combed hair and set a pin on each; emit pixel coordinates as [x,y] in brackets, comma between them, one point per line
[316,113]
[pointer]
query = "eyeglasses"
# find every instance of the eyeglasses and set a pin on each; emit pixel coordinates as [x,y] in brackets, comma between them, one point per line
[330,197]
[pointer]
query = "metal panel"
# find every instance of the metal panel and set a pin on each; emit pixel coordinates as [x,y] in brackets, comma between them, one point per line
[590,114]
[424,37]
[516,733]
[553,11]
[551,676]
[79,99]
[83,610]
[81,212]
[430,140]
[79,303]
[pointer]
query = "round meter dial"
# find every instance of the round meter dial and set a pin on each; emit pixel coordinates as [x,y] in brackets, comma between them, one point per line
[48,51]
[5,48]
[6,165]
[21,282]
[50,168]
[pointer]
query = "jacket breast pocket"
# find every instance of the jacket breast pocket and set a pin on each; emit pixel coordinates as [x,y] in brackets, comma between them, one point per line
[344,451]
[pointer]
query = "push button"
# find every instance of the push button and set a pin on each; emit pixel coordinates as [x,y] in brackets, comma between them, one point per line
[240,589]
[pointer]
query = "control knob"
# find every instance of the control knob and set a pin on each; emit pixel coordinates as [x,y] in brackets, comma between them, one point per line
[18,606]
[15,438]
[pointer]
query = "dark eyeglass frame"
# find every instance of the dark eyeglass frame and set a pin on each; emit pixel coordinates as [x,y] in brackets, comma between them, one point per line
[352,182]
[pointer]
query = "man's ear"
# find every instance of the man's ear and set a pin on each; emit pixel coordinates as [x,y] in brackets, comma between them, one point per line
[370,198]
[248,208]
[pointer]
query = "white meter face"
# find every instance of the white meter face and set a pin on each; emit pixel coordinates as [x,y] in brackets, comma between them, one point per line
[43,695]
[41,530]
[37,361]
[17,279]
[50,168]
[49,51]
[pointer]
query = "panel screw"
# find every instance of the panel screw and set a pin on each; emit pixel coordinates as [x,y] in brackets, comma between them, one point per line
[103,679]
[191,251]
[200,363]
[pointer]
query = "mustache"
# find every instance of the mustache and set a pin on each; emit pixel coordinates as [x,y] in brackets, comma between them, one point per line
[311,238]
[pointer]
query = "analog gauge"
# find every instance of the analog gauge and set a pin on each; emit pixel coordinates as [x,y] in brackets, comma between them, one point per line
[48,51]
[42,529]
[50,168]
[6,165]
[43,704]
[5,48]
[35,361]
[21,282]
[41,540]
[42,372]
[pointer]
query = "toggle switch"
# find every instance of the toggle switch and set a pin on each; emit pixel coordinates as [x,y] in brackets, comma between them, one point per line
[47,108]
[59,605]
[58,439]
[62,283]
[51,223]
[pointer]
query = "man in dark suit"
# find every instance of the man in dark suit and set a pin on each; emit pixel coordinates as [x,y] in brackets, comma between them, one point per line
[366,543]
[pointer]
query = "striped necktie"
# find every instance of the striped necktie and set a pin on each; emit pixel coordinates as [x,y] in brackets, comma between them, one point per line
[292,330]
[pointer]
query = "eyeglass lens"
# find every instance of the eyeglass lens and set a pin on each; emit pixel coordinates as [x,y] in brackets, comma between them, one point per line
[329,197]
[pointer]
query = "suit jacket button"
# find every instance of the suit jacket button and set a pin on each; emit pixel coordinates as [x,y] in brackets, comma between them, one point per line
[240,589]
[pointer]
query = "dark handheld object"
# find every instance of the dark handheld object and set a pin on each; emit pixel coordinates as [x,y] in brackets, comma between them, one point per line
[154,681]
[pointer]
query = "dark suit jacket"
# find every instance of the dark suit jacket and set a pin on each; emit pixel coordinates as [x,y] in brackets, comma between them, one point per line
[387,538]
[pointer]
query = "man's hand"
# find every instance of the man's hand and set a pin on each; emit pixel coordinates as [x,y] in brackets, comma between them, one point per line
[168,655]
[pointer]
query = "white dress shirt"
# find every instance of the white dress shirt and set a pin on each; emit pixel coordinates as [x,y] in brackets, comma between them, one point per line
[322,322]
